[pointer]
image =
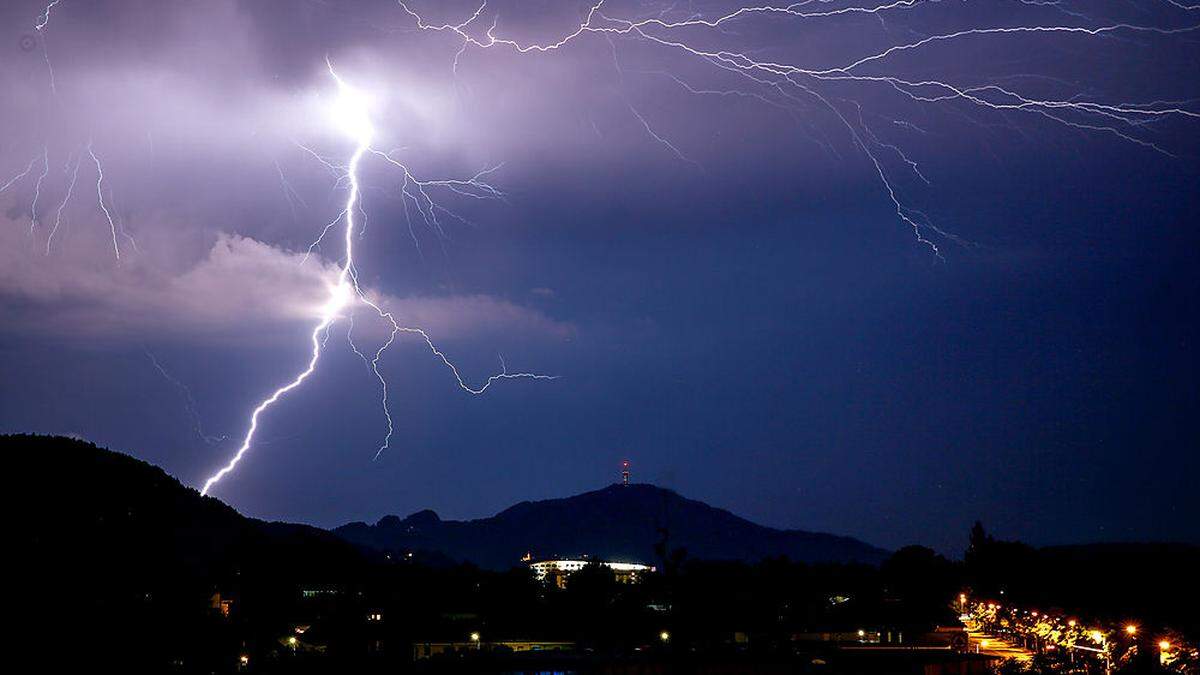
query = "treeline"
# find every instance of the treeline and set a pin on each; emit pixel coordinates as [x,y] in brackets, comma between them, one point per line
[1157,584]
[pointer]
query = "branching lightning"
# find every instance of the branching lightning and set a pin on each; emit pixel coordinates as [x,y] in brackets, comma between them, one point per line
[17,178]
[44,19]
[790,84]
[37,189]
[66,200]
[352,116]
[797,88]
[189,401]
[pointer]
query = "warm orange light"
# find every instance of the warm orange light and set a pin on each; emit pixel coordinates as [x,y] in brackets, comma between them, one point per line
[1164,645]
[1131,629]
[1071,623]
[1097,636]
[983,644]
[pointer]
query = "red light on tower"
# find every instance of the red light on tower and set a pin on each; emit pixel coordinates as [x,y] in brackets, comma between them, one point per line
[625,472]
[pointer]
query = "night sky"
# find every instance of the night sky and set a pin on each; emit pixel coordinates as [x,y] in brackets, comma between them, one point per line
[711,264]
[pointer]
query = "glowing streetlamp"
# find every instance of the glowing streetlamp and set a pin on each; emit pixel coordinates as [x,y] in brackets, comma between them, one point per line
[475,638]
[1131,629]
[664,636]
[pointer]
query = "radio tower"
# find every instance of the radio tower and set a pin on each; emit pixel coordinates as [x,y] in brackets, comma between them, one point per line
[625,472]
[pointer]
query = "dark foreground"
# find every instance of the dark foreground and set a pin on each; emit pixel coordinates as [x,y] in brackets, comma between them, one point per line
[118,565]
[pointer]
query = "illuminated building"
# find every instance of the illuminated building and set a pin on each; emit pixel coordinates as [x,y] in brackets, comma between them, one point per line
[222,604]
[425,650]
[557,571]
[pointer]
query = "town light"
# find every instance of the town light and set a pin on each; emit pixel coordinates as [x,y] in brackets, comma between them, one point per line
[862,633]
[1131,629]
[1097,636]
[664,636]
[1071,623]
[1164,646]
[474,637]
[983,644]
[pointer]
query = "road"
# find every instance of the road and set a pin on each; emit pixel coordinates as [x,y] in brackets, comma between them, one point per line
[986,643]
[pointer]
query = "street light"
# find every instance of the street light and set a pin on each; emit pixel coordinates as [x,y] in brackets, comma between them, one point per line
[1131,629]
[1164,646]
[664,636]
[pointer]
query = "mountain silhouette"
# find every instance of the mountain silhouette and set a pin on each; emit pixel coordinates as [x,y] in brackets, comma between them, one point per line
[619,522]
[141,529]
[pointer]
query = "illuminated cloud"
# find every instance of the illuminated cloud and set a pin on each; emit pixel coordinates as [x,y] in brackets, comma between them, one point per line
[241,289]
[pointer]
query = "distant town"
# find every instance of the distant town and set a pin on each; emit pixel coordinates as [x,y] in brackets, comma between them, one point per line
[176,582]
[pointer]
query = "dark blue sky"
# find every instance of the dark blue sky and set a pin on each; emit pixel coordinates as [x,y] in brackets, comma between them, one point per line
[750,324]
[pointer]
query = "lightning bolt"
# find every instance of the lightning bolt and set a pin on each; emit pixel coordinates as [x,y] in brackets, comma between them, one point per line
[66,200]
[100,196]
[43,20]
[346,290]
[795,87]
[189,401]
[37,189]
[17,178]
[790,84]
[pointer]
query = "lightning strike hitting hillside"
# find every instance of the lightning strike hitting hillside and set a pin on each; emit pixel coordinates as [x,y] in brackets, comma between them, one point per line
[351,115]
[787,84]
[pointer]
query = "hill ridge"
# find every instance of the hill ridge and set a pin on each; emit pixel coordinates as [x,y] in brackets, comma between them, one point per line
[615,521]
